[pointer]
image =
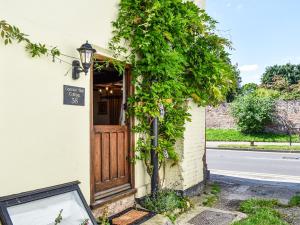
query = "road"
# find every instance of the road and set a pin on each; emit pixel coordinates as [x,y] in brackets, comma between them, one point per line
[271,166]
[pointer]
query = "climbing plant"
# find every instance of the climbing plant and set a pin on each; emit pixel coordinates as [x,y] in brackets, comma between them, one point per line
[10,34]
[176,55]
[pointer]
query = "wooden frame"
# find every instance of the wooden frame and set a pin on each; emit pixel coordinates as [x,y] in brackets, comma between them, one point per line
[131,137]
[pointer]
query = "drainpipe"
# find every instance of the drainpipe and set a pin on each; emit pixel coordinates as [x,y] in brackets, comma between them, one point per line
[154,158]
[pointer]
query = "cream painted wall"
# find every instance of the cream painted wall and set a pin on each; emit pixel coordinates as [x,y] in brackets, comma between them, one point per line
[42,141]
[194,148]
[189,171]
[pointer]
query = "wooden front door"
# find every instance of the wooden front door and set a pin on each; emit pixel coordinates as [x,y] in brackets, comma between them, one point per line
[111,139]
[111,164]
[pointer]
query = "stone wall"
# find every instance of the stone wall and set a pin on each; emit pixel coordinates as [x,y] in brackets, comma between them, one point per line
[219,117]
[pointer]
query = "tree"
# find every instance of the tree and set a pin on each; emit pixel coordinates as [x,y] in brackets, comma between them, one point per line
[248,88]
[290,72]
[292,93]
[234,91]
[252,113]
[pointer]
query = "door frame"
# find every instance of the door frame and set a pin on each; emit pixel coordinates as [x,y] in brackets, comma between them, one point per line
[130,124]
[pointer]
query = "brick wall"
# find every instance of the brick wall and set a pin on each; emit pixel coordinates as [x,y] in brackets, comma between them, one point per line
[220,117]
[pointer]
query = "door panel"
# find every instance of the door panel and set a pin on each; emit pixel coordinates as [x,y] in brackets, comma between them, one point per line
[110,160]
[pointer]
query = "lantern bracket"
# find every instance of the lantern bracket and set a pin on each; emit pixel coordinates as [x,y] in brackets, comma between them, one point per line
[76,69]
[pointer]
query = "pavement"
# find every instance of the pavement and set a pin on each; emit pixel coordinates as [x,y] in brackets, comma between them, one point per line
[236,189]
[243,175]
[270,166]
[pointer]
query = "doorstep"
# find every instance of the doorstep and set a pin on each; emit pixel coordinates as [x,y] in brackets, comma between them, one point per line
[114,204]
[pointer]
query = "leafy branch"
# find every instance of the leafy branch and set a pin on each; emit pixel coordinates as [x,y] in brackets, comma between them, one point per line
[10,33]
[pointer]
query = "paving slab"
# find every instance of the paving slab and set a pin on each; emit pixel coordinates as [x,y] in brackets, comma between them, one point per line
[209,216]
[158,220]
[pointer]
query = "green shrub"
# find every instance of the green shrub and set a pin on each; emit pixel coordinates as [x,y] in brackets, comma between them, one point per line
[292,95]
[264,92]
[248,88]
[252,112]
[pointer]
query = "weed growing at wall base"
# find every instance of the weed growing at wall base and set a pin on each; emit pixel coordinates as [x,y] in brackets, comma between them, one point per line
[167,202]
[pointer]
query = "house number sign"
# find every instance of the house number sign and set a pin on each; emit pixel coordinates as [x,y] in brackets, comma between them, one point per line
[74,95]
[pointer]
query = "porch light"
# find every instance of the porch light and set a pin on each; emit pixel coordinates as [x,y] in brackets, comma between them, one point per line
[86,52]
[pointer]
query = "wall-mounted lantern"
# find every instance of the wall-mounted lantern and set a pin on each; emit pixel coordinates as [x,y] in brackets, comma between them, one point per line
[86,52]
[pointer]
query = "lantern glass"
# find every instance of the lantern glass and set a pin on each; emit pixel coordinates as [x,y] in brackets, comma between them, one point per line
[86,56]
[86,52]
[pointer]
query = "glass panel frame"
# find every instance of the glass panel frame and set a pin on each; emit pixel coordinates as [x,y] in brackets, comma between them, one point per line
[70,194]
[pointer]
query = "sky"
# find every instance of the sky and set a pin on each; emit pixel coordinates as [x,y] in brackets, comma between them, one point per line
[263,32]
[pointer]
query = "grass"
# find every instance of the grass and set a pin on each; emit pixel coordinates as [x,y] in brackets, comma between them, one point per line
[262,147]
[251,206]
[261,212]
[262,217]
[235,135]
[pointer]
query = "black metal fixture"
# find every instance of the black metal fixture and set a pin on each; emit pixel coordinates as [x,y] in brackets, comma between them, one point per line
[154,158]
[153,153]
[86,52]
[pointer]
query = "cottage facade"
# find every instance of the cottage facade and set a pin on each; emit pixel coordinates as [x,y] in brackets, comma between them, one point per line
[45,142]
